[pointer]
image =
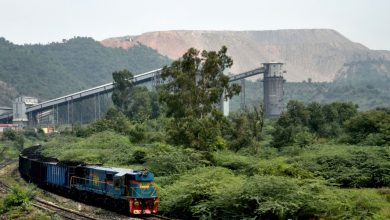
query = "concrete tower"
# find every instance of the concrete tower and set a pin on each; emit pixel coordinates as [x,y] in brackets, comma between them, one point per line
[273,89]
[19,109]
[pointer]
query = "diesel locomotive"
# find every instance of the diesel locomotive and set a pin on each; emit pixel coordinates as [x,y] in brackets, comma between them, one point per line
[121,189]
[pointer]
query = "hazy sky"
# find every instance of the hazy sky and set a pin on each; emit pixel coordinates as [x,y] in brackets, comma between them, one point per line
[44,21]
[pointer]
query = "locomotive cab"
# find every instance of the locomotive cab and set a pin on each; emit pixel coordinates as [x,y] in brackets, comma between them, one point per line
[142,192]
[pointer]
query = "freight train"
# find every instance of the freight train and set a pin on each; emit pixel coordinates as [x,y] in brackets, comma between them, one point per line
[132,191]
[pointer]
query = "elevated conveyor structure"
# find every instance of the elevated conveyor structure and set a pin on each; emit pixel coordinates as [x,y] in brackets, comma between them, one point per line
[68,110]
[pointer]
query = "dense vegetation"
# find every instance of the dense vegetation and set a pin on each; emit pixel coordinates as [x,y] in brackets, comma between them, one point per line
[56,69]
[316,161]
[324,178]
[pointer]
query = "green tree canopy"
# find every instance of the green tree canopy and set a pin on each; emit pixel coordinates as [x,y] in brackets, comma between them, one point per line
[197,83]
[322,120]
[123,86]
[136,102]
[371,127]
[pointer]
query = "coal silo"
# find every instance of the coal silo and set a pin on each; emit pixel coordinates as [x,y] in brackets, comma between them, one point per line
[273,89]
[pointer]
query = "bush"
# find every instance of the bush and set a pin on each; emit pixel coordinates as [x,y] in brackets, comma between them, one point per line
[16,136]
[304,138]
[113,120]
[81,131]
[168,160]
[104,147]
[17,197]
[372,127]
[300,123]
[9,134]
[238,163]
[139,156]
[215,193]
[279,167]
[137,133]
[348,166]
[19,142]
[201,134]
[201,193]
[270,197]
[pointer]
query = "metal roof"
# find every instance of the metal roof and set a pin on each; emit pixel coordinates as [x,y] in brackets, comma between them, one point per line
[115,170]
[91,91]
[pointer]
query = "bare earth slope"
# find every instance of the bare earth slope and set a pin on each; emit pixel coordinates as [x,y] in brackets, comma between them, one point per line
[308,53]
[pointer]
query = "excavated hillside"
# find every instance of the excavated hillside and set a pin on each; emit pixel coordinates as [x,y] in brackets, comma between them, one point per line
[318,54]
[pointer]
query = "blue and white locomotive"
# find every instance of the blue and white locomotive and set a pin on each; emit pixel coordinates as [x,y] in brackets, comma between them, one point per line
[130,190]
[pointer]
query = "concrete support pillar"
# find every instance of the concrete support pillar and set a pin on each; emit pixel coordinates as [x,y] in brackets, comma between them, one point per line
[68,113]
[242,95]
[95,105]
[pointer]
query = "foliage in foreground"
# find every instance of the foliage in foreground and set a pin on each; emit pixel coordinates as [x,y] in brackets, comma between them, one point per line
[216,193]
[348,166]
[18,197]
[295,182]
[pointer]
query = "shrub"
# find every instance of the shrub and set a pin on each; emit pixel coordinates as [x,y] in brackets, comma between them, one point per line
[348,166]
[201,193]
[19,141]
[279,167]
[113,120]
[81,131]
[270,197]
[168,160]
[372,127]
[137,133]
[201,134]
[304,138]
[238,163]
[17,197]
[9,134]
[104,147]
[139,156]
[215,193]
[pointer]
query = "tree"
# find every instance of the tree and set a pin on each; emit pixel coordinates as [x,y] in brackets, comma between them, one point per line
[290,123]
[256,120]
[245,127]
[325,120]
[194,87]
[196,83]
[241,134]
[123,85]
[316,119]
[371,127]
[137,103]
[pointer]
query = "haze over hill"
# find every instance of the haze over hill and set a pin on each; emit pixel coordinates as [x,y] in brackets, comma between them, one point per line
[308,53]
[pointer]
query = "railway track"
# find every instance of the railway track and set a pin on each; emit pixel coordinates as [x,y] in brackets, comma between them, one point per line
[4,188]
[6,162]
[63,212]
[156,217]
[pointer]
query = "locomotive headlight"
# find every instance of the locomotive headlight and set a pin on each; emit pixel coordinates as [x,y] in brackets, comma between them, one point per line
[136,203]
